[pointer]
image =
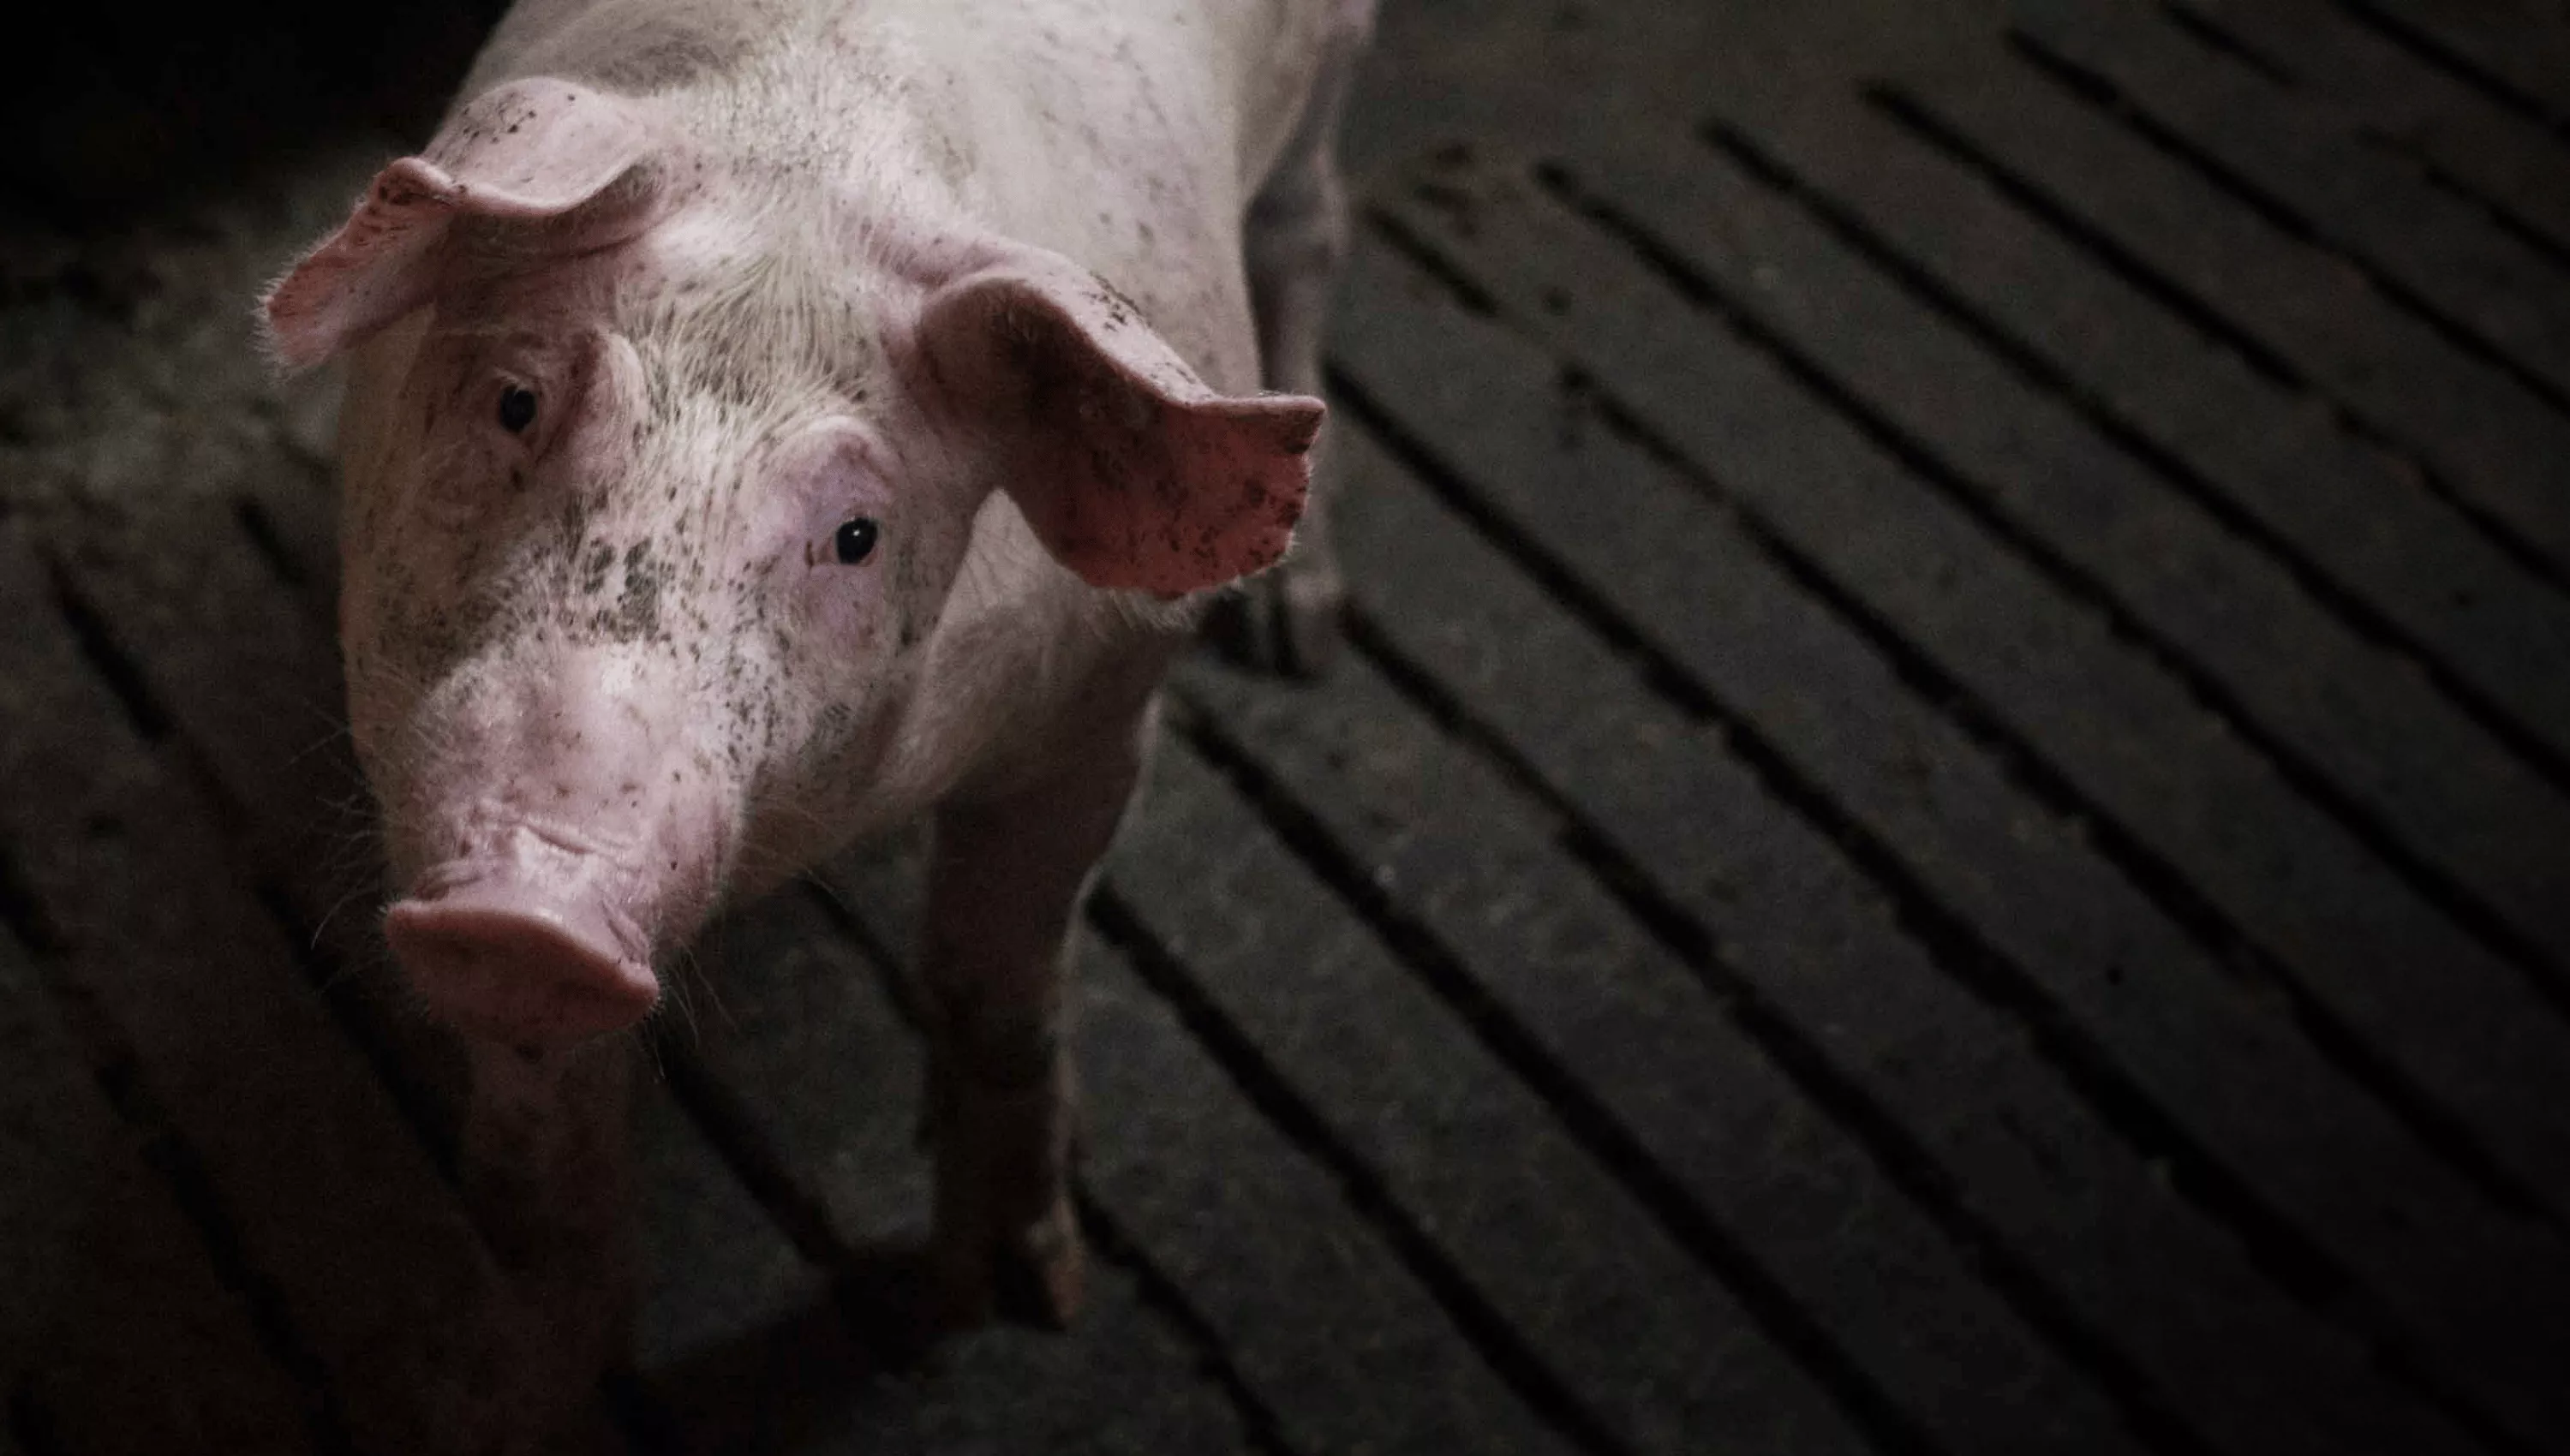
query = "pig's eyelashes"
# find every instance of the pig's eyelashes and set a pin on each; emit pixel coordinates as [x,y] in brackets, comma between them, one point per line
[855,539]
[517,408]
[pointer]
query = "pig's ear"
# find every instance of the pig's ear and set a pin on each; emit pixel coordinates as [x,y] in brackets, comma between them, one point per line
[530,152]
[1133,471]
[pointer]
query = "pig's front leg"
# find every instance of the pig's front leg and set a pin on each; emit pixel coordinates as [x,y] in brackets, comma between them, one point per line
[546,1164]
[1007,878]
[1288,620]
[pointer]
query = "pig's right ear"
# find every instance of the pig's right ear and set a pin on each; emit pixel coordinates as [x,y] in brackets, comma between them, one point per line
[534,152]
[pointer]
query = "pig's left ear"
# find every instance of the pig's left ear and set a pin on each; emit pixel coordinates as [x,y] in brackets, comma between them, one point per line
[1135,474]
[539,157]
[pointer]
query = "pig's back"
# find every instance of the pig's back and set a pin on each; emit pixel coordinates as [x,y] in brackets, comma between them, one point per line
[1110,70]
[1133,141]
[1127,135]
[1220,82]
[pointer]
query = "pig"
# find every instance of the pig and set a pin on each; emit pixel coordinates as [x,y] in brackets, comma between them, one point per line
[769,424]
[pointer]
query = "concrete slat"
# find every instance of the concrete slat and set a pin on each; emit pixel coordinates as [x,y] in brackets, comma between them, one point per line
[2520,52]
[2495,444]
[2500,631]
[1663,1056]
[740,1344]
[2427,245]
[116,1326]
[2408,768]
[1674,561]
[1311,1306]
[2393,98]
[792,1021]
[2084,1213]
[2365,945]
[1641,1336]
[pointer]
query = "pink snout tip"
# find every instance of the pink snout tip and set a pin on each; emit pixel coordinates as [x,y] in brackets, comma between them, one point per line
[504,963]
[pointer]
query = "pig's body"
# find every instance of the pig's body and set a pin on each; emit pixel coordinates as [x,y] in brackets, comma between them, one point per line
[774,423]
[1129,138]
[1132,145]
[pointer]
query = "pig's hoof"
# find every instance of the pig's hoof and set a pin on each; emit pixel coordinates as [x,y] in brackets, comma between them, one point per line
[1288,622]
[1037,1277]
[1041,1278]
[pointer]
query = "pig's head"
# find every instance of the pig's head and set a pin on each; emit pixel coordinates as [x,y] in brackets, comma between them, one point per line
[657,492]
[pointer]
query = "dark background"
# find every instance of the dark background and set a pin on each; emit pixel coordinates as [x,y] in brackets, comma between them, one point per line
[114,108]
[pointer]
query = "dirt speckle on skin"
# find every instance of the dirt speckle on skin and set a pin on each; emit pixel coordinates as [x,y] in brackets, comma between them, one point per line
[593,572]
[637,607]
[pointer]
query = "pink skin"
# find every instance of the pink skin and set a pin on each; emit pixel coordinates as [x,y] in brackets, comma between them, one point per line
[773,268]
[576,703]
[606,665]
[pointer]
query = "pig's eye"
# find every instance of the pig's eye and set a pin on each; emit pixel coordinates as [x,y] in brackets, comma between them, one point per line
[856,540]
[517,408]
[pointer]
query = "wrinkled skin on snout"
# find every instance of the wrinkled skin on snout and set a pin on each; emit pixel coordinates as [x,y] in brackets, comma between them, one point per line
[684,537]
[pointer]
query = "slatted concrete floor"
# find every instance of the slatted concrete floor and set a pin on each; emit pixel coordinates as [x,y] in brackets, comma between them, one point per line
[1948,829]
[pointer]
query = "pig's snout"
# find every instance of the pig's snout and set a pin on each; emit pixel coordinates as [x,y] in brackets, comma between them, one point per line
[566,832]
[512,964]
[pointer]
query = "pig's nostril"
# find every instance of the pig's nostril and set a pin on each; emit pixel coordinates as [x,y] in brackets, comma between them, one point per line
[530,974]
